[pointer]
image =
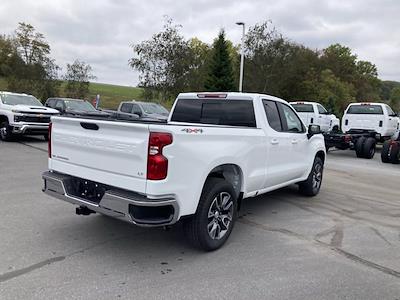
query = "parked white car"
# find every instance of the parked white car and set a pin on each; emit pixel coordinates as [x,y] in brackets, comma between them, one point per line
[315,113]
[215,150]
[23,114]
[368,116]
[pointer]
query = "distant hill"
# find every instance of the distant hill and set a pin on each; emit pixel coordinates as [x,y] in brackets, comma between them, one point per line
[110,95]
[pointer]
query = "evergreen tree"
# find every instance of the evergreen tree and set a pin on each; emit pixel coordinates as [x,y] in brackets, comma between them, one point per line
[220,77]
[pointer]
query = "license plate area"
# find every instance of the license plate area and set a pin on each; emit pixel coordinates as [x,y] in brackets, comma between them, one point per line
[86,189]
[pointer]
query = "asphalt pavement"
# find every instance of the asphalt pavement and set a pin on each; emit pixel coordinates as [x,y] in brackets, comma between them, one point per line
[342,244]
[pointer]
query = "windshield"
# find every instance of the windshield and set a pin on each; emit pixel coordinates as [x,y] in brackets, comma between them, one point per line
[153,108]
[13,99]
[78,105]
[303,107]
[365,109]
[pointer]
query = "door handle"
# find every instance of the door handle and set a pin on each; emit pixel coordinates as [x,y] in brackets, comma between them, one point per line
[274,142]
[294,141]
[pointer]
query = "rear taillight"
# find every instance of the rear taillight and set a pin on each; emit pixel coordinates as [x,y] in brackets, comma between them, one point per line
[157,163]
[347,138]
[49,141]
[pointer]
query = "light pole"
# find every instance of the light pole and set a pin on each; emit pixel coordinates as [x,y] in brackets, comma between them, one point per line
[241,56]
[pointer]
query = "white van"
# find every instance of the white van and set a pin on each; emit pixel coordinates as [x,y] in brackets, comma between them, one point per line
[315,113]
[377,117]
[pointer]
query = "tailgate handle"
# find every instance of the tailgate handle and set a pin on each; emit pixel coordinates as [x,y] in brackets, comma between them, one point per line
[90,126]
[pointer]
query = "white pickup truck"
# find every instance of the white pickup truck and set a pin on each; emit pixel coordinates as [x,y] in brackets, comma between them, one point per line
[215,150]
[364,125]
[378,117]
[23,114]
[315,113]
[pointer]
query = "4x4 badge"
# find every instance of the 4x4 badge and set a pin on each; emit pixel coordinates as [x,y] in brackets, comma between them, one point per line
[192,130]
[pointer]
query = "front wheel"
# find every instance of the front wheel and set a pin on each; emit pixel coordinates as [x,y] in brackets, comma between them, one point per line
[5,131]
[215,217]
[312,185]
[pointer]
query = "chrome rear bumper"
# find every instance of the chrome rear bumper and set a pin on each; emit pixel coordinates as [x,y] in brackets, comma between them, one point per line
[128,206]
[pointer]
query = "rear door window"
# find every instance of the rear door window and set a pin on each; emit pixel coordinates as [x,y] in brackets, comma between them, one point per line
[218,112]
[126,107]
[365,109]
[272,113]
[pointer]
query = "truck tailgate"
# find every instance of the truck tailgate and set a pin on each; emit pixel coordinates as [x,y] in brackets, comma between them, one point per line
[108,152]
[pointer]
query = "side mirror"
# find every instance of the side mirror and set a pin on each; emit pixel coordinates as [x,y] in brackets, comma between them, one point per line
[313,129]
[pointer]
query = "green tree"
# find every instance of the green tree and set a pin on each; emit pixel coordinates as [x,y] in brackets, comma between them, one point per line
[31,70]
[275,65]
[78,78]
[220,76]
[163,63]
[199,54]
[329,90]
[395,98]
[8,55]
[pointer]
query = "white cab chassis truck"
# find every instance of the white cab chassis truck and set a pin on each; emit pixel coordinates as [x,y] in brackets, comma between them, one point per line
[315,113]
[364,125]
[215,150]
[23,114]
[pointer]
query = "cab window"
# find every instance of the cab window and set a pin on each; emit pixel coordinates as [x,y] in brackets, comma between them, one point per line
[322,110]
[390,111]
[136,110]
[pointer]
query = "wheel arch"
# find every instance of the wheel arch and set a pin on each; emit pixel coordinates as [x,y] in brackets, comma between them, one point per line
[3,118]
[232,173]
[321,154]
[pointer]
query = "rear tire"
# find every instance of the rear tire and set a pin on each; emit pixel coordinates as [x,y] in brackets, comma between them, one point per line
[395,153]
[215,217]
[385,151]
[369,148]
[5,131]
[359,145]
[312,185]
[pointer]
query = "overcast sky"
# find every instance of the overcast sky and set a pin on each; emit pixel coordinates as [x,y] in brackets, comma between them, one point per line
[100,32]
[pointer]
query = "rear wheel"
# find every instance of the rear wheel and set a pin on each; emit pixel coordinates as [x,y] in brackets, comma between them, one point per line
[312,185]
[395,153]
[5,131]
[215,217]
[359,146]
[385,151]
[369,148]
